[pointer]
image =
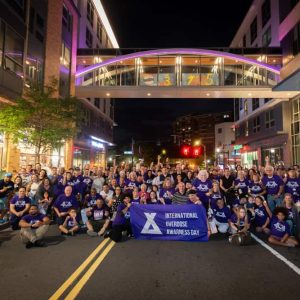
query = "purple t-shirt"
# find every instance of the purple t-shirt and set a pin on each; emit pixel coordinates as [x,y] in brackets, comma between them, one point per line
[202,188]
[255,187]
[64,203]
[213,199]
[136,200]
[242,184]
[98,213]
[234,220]
[91,200]
[32,219]
[222,215]
[272,184]
[278,228]
[20,203]
[121,218]
[71,222]
[164,193]
[132,184]
[292,186]
[261,216]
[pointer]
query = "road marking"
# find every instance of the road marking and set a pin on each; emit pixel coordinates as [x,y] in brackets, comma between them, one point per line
[77,288]
[277,254]
[80,269]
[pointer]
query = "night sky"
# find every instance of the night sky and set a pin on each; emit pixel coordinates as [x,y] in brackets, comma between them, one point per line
[164,24]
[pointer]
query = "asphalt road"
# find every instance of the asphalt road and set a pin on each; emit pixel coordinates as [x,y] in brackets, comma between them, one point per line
[145,270]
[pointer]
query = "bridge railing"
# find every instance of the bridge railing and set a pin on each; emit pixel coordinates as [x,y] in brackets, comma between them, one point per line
[180,71]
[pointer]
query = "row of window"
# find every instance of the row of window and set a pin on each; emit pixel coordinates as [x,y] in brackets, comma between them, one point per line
[265,17]
[103,38]
[243,103]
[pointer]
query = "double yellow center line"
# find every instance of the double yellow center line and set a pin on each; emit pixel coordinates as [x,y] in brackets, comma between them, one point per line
[80,284]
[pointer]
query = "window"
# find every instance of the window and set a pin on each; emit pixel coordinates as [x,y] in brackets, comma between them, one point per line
[270,121]
[65,55]
[90,12]
[266,12]
[219,130]
[247,129]
[89,38]
[104,106]
[267,100]
[241,104]
[39,21]
[256,124]
[99,30]
[296,39]
[18,6]
[253,30]
[67,18]
[39,36]
[97,102]
[267,37]
[255,103]
[31,19]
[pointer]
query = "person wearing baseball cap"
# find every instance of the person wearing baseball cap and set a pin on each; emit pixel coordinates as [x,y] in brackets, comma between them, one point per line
[6,187]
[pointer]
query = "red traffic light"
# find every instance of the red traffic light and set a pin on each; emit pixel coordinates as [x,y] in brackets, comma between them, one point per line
[186,151]
[191,152]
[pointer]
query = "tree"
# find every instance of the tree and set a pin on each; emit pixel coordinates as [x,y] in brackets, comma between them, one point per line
[41,120]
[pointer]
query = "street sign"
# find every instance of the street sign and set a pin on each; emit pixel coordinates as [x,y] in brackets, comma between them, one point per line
[128,152]
[237,147]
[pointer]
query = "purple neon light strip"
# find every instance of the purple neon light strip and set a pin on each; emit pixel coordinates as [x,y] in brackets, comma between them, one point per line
[178,51]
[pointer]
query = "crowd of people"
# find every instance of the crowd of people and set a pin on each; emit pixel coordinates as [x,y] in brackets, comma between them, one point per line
[97,200]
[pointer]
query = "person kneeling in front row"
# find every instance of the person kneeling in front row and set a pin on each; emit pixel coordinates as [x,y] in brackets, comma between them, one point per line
[34,226]
[222,215]
[122,221]
[99,218]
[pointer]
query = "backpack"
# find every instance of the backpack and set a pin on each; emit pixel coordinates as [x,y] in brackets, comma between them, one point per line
[240,239]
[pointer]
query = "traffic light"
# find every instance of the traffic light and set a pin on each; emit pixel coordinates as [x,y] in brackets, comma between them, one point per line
[186,151]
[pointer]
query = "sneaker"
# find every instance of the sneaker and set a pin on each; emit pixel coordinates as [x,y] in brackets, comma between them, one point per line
[39,244]
[29,245]
[101,232]
[106,235]
[91,233]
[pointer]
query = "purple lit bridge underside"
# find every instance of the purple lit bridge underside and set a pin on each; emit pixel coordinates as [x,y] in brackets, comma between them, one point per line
[182,51]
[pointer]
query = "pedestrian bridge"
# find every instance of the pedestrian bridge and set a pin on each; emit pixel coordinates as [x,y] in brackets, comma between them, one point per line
[179,73]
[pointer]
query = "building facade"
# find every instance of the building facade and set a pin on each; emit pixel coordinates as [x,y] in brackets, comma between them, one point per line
[263,126]
[191,128]
[39,40]
[225,144]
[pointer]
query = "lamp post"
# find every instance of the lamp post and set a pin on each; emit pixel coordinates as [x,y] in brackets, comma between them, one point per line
[198,143]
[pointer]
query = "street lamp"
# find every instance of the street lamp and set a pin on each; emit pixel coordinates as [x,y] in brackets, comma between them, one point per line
[164,152]
[199,143]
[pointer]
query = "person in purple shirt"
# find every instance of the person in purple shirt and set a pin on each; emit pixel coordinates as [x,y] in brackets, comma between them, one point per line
[222,215]
[166,192]
[292,185]
[135,196]
[255,186]
[239,221]
[71,223]
[274,187]
[280,230]
[19,206]
[122,221]
[203,186]
[63,203]
[241,184]
[34,226]
[215,194]
[262,215]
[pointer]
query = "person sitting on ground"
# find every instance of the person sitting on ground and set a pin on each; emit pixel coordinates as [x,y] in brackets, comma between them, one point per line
[63,203]
[293,218]
[122,221]
[262,215]
[19,206]
[70,225]
[222,215]
[34,227]
[99,219]
[280,230]
[32,187]
[239,221]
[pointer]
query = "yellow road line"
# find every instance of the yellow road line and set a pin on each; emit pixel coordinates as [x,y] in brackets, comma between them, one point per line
[77,288]
[80,269]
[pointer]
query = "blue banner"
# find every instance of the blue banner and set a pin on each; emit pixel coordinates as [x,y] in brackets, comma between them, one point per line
[169,222]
